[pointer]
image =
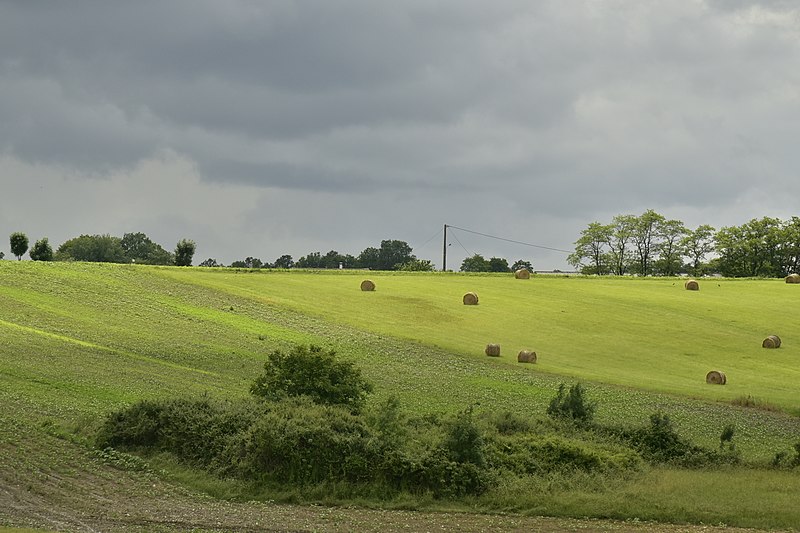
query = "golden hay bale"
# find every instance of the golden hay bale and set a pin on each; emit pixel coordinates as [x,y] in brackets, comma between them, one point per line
[715,377]
[793,278]
[367,285]
[493,350]
[522,273]
[470,299]
[773,341]
[526,356]
[692,285]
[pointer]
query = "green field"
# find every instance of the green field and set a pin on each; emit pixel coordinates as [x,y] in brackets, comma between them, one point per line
[80,340]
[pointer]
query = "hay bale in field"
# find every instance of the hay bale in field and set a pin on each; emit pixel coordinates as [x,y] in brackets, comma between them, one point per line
[692,285]
[470,299]
[793,278]
[715,377]
[773,341]
[526,356]
[522,273]
[493,350]
[367,285]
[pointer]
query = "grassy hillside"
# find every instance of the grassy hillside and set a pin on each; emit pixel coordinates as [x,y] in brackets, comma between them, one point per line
[82,339]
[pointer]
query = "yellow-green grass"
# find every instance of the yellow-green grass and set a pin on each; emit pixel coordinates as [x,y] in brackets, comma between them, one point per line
[650,334]
[79,340]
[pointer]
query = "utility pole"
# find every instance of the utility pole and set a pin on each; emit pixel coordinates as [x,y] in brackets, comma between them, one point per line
[444,250]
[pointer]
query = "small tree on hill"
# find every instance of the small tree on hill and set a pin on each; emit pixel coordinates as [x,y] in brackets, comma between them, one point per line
[572,405]
[19,244]
[519,264]
[313,372]
[184,251]
[42,251]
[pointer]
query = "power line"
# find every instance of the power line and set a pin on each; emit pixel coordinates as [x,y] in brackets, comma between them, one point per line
[507,240]
[429,240]
[459,242]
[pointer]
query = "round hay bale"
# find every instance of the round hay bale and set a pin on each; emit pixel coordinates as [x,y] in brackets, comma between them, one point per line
[793,278]
[773,341]
[716,377]
[470,299]
[522,273]
[526,356]
[367,285]
[692,285]
[493,350]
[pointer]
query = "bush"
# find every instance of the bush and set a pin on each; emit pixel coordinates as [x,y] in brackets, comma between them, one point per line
[572,405]
[313,372]
[463,442]
[42,251]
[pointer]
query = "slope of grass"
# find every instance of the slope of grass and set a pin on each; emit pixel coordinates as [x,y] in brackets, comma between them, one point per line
[649,334]
[82,339]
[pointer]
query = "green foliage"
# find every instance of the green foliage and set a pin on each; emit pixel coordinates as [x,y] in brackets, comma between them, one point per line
[19,244]
[42,251]
[284,261]
[210,262]
[184,251]
[463,441]
[519,264]
[572,405]
[498,264]
[313,372]
[139,248]
[92,248]
[417,265]
[475,263]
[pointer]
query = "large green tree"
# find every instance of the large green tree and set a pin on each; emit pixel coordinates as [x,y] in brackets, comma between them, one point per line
[92,248]
[475,263]
[620,243]
[394,253]
[19,244]
[139,248]
[184,252]
[696,245]
[42,251]
[754,249]
[645,236]
[670,252]
[284,261]
[591,255]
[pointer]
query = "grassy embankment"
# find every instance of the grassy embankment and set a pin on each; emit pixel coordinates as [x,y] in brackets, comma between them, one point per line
[80,340]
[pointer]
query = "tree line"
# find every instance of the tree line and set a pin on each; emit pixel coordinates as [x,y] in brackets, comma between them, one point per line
[130,248]
[652,245]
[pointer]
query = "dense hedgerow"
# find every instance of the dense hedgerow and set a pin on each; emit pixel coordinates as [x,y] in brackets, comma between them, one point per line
[312,429]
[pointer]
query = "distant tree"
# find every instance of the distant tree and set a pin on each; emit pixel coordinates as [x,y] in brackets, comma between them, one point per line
[498,264]
[184,251]
[476,263]
[696,245]
[519,264]
[393,253]
[92,248]
[253,262]
[645,236]
[19,244]
[312,260]
[670,251]
[140,249]
[752,249]
[42,251]
[284,261]
[2,255]
[238,264]
[210,262]
[417,265]
[590,256]
[369,258]
[620,243]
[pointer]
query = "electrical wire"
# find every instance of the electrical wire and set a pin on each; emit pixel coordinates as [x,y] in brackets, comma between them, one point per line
[459,242]
[507,240]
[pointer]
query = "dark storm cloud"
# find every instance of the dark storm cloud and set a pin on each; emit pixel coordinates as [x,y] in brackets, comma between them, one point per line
[406,112]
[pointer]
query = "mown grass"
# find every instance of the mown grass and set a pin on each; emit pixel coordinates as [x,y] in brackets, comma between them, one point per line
[82,339]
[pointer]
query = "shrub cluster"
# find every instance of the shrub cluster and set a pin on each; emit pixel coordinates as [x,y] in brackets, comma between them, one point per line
[306,424]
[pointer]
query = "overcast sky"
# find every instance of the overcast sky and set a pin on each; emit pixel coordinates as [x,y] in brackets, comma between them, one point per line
[260,128]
